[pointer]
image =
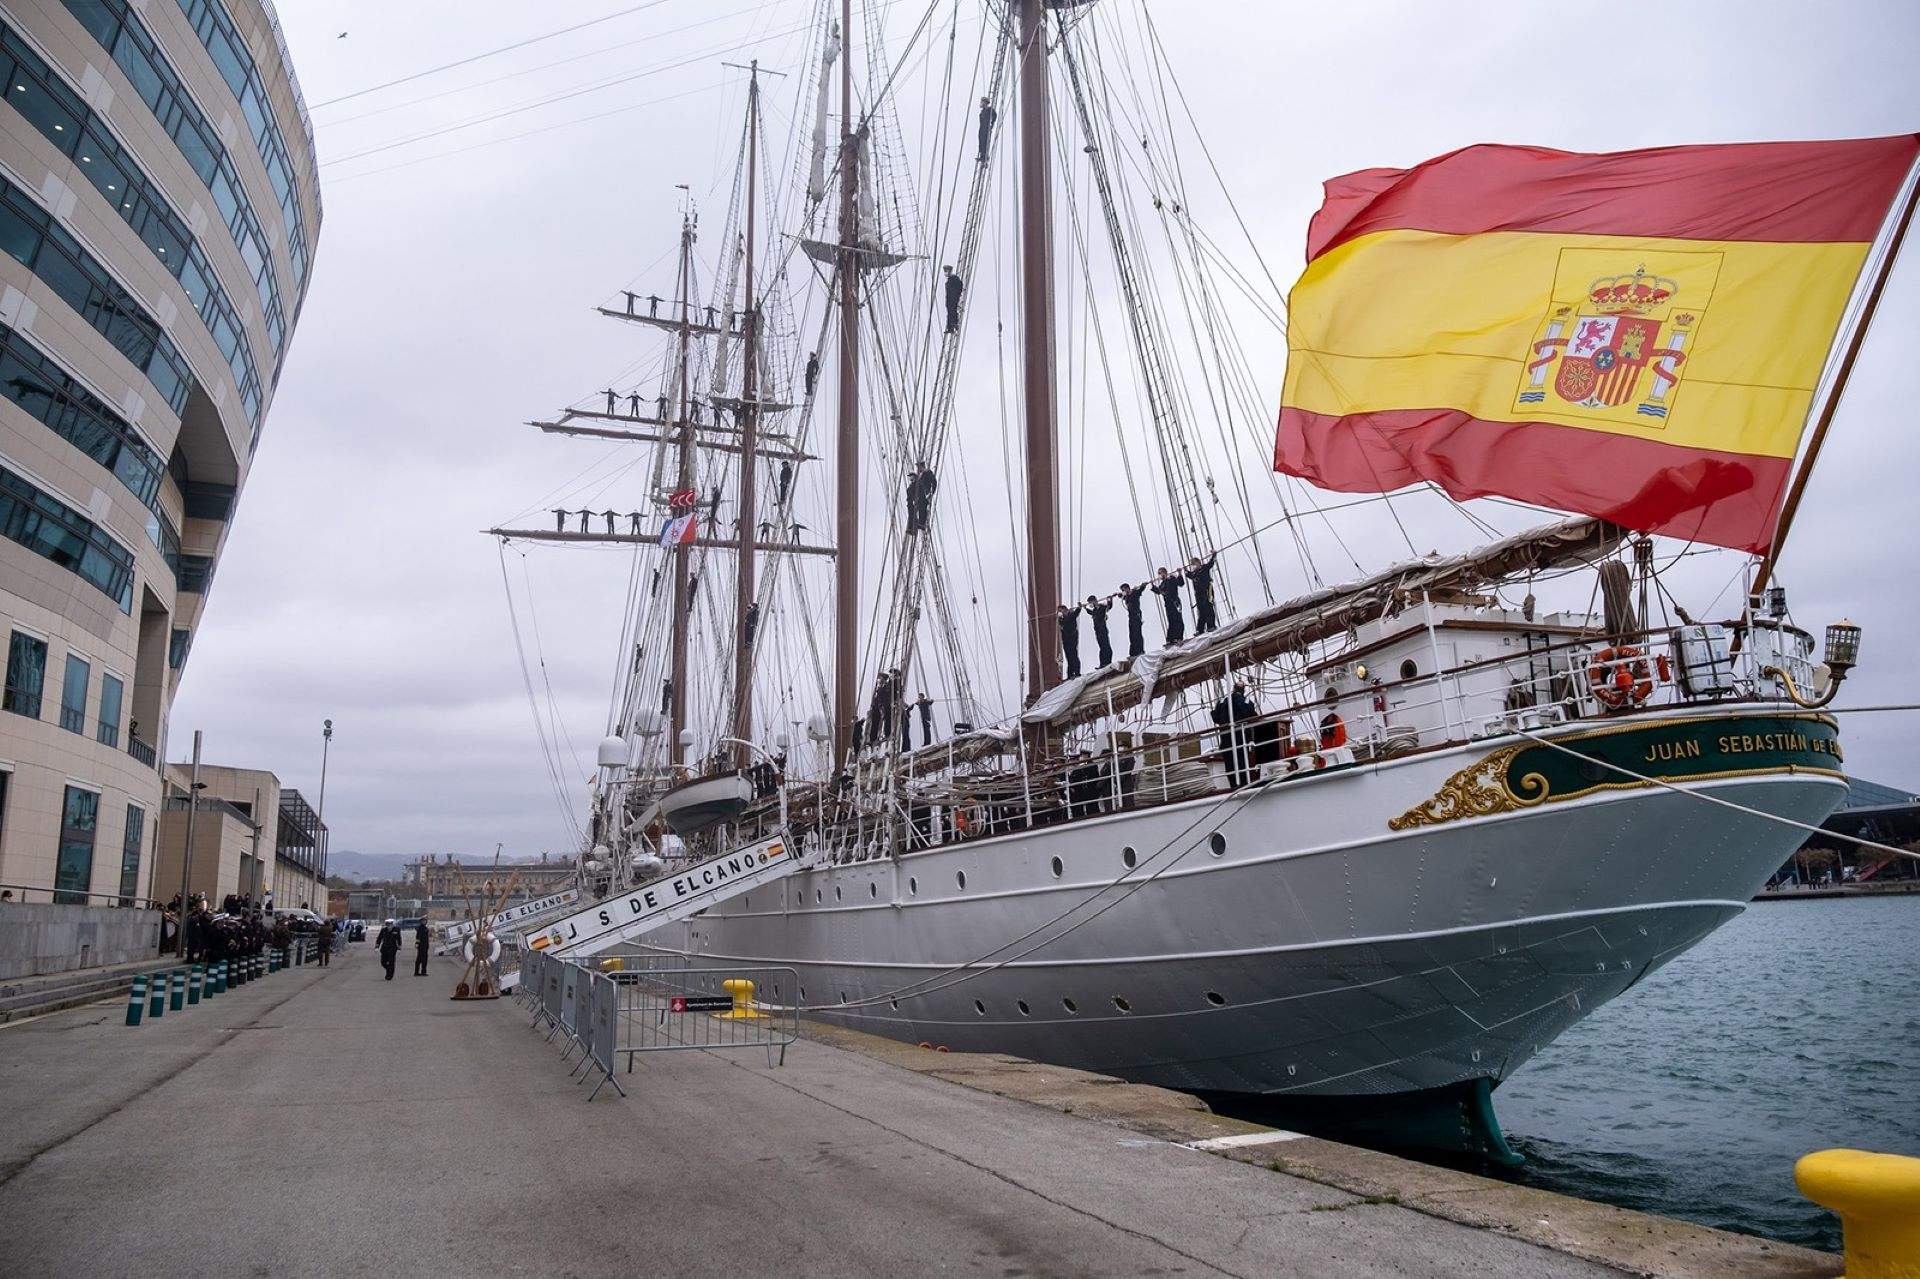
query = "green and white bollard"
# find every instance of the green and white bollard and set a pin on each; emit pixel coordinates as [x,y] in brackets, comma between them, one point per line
[137,998]
[195,976]
[177,986]
[157,994]
[220,978]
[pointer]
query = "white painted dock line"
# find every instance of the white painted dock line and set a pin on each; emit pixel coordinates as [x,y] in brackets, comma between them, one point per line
[1244,1139]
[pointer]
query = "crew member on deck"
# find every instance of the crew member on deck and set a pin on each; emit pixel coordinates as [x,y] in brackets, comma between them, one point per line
[1136,634]
[920,488]
[1167,587]
[559,521]
[1070,639]
[955,286]
[1098,609]
[1200,576]
[785,484]
[613,400]
[924,705]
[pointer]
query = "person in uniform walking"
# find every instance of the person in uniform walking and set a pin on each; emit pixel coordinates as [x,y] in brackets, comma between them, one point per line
[420,949]
[1098,609]
[325,944]
[389,947]
[1168,589]
[1136,634]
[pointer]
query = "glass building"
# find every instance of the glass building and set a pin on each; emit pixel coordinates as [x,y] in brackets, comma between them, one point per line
[159,208]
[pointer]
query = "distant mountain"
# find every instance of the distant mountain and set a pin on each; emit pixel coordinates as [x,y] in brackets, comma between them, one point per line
[344,861]
[352,865]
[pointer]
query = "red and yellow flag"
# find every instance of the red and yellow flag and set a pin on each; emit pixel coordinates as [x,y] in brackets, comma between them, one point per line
[1635,336]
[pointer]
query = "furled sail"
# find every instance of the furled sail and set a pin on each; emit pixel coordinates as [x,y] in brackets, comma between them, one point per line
[1637,336]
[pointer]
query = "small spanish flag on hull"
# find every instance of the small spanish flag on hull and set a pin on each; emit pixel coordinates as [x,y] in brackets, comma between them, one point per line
[1636,336]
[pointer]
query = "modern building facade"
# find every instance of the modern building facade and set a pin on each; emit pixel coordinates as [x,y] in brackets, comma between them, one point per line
[251,837]
[159,208]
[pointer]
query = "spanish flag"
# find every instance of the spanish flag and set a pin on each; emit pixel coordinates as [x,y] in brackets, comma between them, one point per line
[1636,336]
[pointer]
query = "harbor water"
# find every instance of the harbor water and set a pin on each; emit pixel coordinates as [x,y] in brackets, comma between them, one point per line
[1794,1028]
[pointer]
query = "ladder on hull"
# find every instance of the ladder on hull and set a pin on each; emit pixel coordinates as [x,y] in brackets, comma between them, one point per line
[666,900]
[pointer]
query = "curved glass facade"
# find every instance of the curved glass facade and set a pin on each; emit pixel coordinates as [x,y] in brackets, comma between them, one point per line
[45,525]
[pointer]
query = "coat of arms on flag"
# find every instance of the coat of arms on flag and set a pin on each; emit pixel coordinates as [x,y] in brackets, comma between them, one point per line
[1613,345]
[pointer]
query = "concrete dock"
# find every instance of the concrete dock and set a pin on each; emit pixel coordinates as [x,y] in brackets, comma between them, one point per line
[327,1121]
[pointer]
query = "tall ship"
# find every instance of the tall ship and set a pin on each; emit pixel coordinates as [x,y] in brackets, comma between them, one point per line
[960,551]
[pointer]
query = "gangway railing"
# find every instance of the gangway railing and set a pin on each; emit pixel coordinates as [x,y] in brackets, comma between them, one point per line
[514,920]
[638,911]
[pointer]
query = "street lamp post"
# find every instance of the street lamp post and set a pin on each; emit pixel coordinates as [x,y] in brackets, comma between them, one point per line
[320,814]
[186,854]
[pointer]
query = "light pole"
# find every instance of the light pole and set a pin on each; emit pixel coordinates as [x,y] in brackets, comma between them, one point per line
[186,855]
[320,814]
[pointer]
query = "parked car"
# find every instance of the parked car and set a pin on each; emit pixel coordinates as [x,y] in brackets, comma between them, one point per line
[300,919]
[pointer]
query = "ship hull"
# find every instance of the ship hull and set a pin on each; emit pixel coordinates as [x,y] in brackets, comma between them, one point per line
[1394,929]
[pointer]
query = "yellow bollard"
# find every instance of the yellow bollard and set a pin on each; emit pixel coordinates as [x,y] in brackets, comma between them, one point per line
[1878,1200]
[743,1010]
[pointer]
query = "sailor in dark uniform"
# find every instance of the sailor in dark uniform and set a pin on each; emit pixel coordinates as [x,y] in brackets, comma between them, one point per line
[1070,639]
[1098,609]
[1167,587]
[1136,636]
[1200,576]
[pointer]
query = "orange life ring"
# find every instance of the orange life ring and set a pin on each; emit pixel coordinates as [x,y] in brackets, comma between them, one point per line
[1619,678]
[1333,731]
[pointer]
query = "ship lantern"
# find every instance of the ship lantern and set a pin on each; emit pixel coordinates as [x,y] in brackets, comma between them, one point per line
[1843,648]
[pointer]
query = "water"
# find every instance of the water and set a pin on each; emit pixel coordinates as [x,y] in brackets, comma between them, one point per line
[1793,1028]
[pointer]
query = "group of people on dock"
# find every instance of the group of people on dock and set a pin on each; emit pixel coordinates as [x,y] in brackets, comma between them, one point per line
[1196,577]
[389,940]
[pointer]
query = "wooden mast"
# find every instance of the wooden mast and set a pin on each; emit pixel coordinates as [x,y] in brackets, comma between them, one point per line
[682,602]
[1037,369]
[846,602]
[1789,507]
[744,589]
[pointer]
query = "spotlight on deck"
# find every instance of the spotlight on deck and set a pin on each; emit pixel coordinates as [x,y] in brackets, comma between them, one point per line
[1843,654]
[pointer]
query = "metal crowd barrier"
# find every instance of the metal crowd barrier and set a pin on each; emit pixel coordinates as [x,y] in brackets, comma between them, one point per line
[637,1003]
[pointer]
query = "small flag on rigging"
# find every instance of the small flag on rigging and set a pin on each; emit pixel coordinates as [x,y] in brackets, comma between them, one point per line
[678,532]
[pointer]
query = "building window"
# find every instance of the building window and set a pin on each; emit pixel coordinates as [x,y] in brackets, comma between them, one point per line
[73,694]
[194,573]
[44,524]
[111,690]
[177,647]
[79,819]
[26,675]
[130,854]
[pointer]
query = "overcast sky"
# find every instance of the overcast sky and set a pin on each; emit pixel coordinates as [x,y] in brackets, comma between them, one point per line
[456,274]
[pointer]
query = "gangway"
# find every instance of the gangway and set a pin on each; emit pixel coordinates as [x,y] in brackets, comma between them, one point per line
[667,900]
[515,919]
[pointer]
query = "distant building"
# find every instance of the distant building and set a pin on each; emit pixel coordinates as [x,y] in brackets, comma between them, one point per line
[1879,813]
[251,836]
[446,876]
[159,208]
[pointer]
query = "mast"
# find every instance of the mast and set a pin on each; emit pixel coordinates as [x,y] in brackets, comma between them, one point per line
[744,602]
[682,602]
[846,601]
[1037,366]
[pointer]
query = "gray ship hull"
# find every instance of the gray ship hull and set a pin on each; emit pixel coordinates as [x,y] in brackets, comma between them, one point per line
[1309,950]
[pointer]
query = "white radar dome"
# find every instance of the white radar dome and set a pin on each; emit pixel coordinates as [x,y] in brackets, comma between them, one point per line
[613,752]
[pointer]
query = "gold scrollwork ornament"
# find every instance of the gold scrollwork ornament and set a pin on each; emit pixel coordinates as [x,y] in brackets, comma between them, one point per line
[1480,789]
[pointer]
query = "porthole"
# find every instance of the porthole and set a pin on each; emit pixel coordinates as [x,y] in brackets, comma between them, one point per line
[1021,1004]
[776,990]
[913,885]
[1059,867]
[1128,857]
[1218,843]
[843,996]
[1409,669]
[746,903]
[960,878]
[1122,1004]
[803,992]
[1215,998]
[894,1004]
[1069,1005]
[979,1008]
[816,896]
[873,890]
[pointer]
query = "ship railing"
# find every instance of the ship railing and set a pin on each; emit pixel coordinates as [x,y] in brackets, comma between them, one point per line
[1556,681]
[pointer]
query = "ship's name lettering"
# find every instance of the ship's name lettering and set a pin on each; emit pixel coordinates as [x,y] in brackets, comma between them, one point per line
[1757,743]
